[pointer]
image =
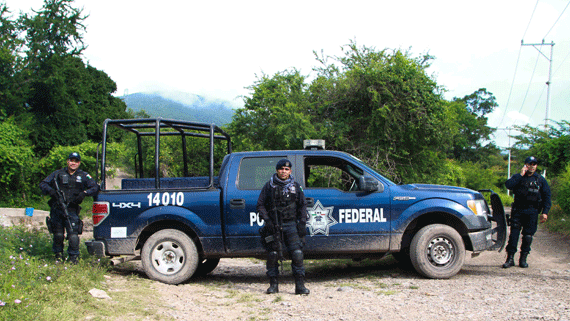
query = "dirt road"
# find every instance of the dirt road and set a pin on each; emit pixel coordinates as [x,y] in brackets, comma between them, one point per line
[381,290]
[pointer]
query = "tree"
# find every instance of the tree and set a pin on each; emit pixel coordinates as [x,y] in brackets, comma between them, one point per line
[62,100]
[56,30]
[383,107]
[551,146]
[473,140]
[275,116]
[16,156]
[11,95]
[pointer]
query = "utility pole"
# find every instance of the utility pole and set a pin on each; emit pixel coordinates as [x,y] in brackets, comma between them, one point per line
[548,83]
[509,166]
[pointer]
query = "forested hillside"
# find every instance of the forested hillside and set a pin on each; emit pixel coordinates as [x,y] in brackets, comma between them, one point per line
[200,110]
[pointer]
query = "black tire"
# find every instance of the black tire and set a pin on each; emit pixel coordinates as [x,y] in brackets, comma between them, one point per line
[437,251]
[206,266]
[169,256]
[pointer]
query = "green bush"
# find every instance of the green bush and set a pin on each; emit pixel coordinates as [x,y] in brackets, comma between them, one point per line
[560,187]
[16,157]
[558,220]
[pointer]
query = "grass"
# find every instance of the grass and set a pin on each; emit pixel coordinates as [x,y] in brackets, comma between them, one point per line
[34,287]
[558,221]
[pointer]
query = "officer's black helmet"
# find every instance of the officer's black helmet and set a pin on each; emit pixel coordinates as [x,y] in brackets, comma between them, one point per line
[74,155]
[531,159]
[283,163]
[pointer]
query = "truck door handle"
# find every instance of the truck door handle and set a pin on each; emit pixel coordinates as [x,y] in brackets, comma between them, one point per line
[310,201]
[237,203]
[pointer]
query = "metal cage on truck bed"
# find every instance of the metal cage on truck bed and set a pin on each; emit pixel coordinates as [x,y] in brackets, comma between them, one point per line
[157,128]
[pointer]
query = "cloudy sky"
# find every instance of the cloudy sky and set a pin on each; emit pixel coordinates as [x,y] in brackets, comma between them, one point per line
[216,48]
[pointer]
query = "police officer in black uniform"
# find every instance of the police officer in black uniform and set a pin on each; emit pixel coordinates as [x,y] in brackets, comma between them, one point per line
[75,185]
[282,205]
[532,197]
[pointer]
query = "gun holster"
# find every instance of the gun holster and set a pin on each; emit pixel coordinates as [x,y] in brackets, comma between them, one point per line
[80,227]
[48,224]
[266,236]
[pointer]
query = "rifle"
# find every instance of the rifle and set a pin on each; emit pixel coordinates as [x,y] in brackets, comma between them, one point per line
[279,240]
[63,203]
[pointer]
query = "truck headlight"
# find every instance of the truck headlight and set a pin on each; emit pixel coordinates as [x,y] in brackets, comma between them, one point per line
[478,207]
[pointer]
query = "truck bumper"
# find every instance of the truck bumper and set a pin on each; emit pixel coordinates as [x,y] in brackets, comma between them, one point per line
[96,248]
[492,239]
[482,240]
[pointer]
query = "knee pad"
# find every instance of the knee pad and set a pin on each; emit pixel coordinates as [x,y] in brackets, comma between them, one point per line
[297,257]
[73,241]
[527,239]
[272,258]
[58,237]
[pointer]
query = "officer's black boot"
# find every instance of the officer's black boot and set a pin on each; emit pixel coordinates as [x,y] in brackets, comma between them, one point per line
[510,260]
[300,285]
[58,257]
[522,260]
[273,286]
[525,249]
[74,259]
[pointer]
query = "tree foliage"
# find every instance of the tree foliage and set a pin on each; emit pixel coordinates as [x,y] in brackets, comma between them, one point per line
[551,146]
[44,82]
[49,98]
[275,116]
[378,105]
[10,64]
[383,107]
[16,155]
[472,142]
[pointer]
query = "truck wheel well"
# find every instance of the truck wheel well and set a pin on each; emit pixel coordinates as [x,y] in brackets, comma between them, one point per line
[435,218]
[168,224]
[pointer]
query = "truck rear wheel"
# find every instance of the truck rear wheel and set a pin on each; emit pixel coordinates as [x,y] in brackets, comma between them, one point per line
[437,251]
[169,256]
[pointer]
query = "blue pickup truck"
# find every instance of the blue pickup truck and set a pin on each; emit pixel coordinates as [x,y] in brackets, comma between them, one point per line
[187,200]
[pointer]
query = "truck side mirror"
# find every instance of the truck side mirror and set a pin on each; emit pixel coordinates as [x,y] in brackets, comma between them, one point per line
[369,184]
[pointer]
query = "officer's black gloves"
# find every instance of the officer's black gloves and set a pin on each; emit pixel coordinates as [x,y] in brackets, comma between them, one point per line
[78,198]
[270,227]
[302,229]
[52,192]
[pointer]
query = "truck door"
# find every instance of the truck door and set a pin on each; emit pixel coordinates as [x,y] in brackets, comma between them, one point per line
[342,217]
[241,220]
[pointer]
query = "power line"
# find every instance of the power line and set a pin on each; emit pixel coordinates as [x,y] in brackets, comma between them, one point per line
[537,101]
[556,20]
[530,81]
[549,82]
[511,90]
[530,20]
[517,65]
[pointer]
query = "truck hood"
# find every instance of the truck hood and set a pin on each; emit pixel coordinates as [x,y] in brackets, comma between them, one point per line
[437,188]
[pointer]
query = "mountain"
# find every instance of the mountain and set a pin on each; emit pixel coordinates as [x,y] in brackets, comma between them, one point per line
[182,106]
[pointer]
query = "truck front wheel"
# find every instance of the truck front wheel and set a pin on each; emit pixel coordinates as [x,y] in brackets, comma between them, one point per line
[437,251]
[169,256]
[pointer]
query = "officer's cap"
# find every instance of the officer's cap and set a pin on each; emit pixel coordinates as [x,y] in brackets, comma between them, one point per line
[283,163]
[531,159]
[74,155]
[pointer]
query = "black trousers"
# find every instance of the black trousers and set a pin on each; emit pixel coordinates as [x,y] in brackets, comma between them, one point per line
[294,247]
[59,225]
[523,221]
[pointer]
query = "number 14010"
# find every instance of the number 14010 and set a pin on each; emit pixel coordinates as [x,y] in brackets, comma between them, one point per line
[164,199]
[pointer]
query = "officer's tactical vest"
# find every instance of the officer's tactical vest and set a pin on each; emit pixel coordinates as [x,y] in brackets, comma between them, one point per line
[69,185]
[529,192]
[284,204]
